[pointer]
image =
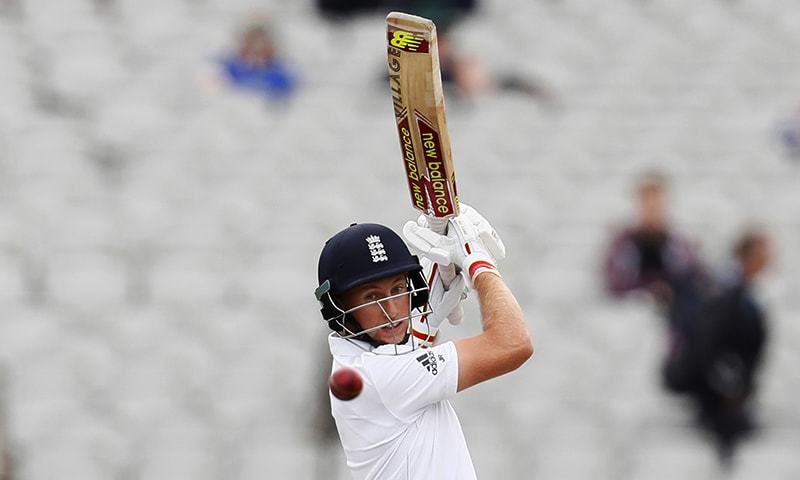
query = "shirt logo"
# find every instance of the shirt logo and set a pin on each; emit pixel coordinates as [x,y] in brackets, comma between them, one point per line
[376,249]
[428,360]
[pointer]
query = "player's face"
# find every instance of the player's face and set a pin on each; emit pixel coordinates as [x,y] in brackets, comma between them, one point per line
[382,302]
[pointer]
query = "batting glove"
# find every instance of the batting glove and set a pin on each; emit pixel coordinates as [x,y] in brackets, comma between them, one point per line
[486,233]
[427,243]
[471,254]
[471,243]
[444,249]
[441,302]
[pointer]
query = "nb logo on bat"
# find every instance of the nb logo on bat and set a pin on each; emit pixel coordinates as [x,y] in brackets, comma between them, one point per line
[406,41]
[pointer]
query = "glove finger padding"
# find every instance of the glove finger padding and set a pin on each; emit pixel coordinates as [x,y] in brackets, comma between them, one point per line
[446,300]
[441,302]
[428,244]
[472,255]
[488,235]
[471,243]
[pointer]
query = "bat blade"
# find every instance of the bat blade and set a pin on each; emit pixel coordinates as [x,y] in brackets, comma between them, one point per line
[419,109]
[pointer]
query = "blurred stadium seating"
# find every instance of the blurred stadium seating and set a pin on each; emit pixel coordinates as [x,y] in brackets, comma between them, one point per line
[158,240]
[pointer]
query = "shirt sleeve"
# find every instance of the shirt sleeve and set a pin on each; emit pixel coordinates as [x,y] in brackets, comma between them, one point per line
[408,383]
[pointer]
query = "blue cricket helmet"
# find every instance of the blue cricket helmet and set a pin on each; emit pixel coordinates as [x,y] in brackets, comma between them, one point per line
[359,254]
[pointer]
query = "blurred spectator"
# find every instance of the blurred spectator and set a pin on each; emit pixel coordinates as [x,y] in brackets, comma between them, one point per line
[469,77]
[440,11]
[464,76]
[716,356]
[257,66]
[789,131]
[346,8]
[650,257]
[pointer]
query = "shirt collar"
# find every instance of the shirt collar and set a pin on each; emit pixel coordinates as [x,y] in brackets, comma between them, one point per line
[350,347]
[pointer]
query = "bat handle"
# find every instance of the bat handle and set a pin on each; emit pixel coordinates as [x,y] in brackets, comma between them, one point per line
[448,273]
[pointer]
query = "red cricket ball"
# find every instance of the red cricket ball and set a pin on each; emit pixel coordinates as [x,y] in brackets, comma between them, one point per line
[345,384]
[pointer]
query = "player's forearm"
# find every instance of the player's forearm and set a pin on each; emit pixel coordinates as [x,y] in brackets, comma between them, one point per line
[504,324]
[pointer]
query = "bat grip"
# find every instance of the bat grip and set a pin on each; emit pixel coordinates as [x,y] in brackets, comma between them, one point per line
[448,273]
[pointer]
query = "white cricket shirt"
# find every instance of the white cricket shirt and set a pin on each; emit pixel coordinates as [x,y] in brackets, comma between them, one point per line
[401,426]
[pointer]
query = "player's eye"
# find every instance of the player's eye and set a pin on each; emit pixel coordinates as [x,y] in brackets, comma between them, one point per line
[371,297]
[399,289]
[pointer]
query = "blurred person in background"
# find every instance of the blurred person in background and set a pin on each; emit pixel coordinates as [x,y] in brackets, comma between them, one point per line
[789,131]
[468,77]
[437,10]
[650,257]
[342,9]
[717,355]
[256,65]
[463,76]
[385,316]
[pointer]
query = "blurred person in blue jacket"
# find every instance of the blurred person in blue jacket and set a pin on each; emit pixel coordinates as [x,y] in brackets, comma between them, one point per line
[257,66]
[718,353]
[789,131]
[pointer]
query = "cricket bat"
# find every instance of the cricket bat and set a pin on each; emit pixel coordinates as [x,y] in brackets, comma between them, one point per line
[419,111]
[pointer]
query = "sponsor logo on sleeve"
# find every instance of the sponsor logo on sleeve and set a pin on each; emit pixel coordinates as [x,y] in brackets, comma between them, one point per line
[429,361]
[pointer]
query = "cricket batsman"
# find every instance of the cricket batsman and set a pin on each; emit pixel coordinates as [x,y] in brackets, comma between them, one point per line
[385,306]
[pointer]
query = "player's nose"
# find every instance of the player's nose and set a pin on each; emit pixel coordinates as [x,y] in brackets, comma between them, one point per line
[392,307]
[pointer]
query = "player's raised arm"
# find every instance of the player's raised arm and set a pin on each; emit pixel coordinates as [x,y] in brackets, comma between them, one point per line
[473,245]
[505,343]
